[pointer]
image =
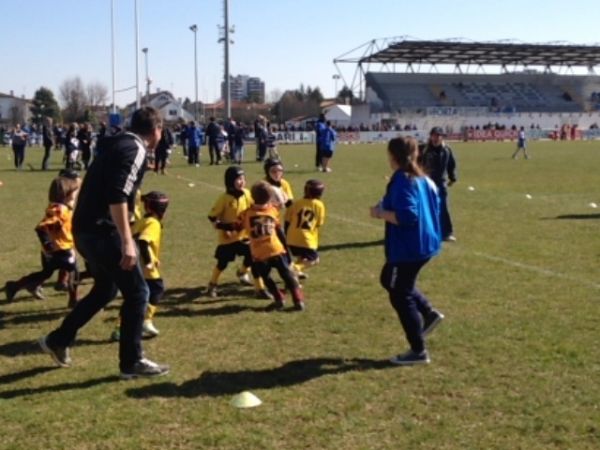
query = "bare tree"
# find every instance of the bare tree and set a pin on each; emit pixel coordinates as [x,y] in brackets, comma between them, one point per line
[74,99]
[97,94]
[274,96]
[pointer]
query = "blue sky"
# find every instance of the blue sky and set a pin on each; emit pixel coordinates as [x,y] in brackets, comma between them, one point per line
[285,42]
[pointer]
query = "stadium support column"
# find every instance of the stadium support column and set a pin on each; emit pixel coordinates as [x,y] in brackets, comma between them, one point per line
[194,29]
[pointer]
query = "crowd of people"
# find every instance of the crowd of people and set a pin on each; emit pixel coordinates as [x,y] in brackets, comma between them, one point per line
[117,233]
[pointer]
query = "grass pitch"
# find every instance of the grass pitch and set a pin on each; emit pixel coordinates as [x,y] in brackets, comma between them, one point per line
[514,365]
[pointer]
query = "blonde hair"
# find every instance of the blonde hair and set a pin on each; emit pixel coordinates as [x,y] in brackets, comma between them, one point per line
[61,188]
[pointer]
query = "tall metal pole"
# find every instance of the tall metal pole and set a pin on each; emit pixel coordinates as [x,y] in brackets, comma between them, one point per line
[194,28]
[112,51]
[227,84]
[145,52]
[137,59]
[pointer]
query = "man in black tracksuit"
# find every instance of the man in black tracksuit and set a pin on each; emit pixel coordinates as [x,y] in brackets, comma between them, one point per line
[48,141]
[438,161]
[212,131]
[103,237]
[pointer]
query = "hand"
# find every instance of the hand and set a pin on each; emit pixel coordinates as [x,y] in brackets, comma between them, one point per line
[375,211]
[128,255]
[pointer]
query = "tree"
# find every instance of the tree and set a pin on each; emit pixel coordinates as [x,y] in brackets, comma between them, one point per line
[44,105]
[74,99]
[97,94]
[346,94]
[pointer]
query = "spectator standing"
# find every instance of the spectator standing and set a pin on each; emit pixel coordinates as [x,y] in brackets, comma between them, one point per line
[47,141]
[84,135]
[194,138]
[19,141]
[237,151]
[71,146]
[213,130]
[163,149]
[103,237]
[439,163]
[320,128]
[183,137]
[329,140]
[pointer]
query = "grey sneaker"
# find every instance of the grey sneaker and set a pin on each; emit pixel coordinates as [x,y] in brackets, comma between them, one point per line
[211,291]
[37,292]
[431,321]
[410,358]
[60,355]
[145,368]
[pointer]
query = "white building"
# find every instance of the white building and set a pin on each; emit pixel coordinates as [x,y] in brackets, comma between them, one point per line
[170,108]
[14,109]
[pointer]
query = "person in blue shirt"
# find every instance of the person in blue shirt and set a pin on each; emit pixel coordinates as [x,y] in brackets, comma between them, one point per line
[320,128]
[410,209]
[194,137]
[328,146]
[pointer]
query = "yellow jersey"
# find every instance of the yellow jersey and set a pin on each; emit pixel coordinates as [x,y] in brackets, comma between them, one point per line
[56,224]
[305,216]
[149,229]
[261,225]
[227,209]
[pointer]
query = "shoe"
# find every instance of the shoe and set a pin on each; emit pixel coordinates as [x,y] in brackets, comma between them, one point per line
[245,279]
[263,294]
[450,238]
[411,358]
[328,170]
[60,355]
[301,275]
[149,330]
[275,306]
[37,292]
[211,291]
[431,321]
[299,306]
[58,286]
[144,368]
[10,289]
[115,336]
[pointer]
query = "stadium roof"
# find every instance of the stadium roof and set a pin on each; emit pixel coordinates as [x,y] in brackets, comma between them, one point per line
[484,53]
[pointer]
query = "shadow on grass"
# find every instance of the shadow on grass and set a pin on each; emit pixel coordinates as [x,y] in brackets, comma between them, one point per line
[26,392]
[577,217]
[32,317]
[218,311]
[17,376]
[19,348]
[376,243]
[214,384]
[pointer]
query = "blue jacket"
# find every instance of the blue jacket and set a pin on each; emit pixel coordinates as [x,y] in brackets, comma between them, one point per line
[195,137]
[416,203]
[330,136]
[320,128]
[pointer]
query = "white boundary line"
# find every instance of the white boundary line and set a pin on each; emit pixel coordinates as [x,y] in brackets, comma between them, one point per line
[498,259]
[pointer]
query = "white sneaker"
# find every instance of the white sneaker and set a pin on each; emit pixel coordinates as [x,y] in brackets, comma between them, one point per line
[245,279]
[149,329]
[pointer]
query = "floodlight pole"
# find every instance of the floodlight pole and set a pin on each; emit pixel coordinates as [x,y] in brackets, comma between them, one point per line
[226,46]
[194,29]
[112,52]
[145,52]
[137,51]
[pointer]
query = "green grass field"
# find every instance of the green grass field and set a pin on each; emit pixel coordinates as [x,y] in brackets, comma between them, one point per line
[515,365]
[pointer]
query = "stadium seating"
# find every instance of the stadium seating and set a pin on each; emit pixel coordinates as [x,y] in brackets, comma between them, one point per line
[516,92]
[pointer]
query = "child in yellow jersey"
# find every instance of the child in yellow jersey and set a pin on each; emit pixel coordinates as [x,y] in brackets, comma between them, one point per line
[54,232]
[282,190]
[303,220]
[232,243]
[147,232]
[261,222]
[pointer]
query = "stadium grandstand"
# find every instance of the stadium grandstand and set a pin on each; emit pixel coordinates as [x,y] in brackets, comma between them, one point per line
[401,80]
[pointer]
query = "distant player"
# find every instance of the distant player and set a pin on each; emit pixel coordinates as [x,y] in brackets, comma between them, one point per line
[281,188]
[521,144]
[272,143]
[303,220]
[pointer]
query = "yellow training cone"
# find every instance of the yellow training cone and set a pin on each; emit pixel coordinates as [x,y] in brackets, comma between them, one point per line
[245,399]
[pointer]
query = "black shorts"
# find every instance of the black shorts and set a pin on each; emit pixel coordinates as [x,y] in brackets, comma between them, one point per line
[157,289]
[226,253]
[326,153]
[305,253]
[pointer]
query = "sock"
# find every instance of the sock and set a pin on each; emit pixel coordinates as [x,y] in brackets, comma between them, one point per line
[242,271]
[297,295]
[150,311]
[216,273]
[259,284]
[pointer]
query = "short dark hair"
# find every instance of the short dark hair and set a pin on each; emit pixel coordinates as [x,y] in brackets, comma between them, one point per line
[145,120]
[261,192]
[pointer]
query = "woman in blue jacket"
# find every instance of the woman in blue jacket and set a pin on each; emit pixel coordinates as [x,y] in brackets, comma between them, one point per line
[410,209]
